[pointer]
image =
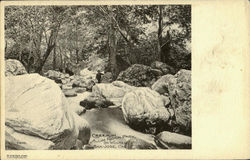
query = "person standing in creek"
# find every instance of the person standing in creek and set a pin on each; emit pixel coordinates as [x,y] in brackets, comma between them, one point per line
[99,76]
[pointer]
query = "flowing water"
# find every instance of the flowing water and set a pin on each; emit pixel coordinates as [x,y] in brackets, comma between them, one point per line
[108,126]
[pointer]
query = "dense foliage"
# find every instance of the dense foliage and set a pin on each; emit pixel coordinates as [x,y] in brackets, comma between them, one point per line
[63,37]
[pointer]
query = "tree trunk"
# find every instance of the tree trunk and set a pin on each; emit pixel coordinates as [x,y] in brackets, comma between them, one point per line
[77,56]
[20,53]
[42,61]
[29,58]
[30,63]
[64,65]
[54,59]
[77,49]
[6,45]
[112,47]
[37,40]
[161,57]
[50,46]
[61,58]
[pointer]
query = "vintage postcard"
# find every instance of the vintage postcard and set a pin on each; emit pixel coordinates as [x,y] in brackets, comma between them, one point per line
[125,79]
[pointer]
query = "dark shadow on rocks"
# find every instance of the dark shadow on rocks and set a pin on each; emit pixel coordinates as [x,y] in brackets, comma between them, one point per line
[95,102]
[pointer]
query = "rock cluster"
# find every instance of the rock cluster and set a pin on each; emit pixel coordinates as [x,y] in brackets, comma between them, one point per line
[178,88]
[71,85]
[165,107]
[38,116]
[139,75]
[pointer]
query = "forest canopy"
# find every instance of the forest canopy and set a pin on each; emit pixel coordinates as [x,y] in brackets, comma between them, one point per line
[64,37]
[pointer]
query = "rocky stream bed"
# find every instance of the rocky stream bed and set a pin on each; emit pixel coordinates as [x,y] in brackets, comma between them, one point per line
[58,111]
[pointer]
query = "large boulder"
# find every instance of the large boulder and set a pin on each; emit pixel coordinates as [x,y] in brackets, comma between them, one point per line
[16,140]
[106,94]
[145,110]
[38,115]
[176,56]
[139,75]
[166,69]
[168,140]
[14,67]
[178,88]
[113,92]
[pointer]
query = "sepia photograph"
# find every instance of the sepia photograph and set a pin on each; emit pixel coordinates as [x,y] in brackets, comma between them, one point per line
[97,77]
[118,79]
